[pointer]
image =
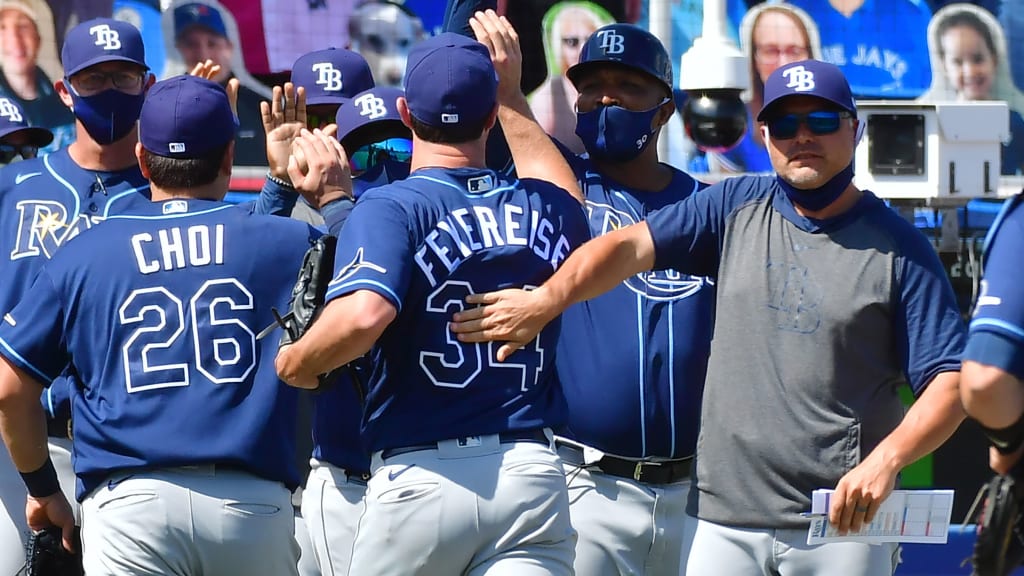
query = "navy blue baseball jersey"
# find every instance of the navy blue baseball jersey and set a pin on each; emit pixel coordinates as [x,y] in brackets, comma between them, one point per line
[337,410]
[49,200]
[656,355]
[424,244]
[996,336]
[156,312]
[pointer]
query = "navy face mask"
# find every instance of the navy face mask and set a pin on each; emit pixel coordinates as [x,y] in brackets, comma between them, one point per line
[109,115]
[820,197]
[614,134]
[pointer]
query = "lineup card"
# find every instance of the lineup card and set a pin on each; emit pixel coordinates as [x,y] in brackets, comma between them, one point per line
[920,516]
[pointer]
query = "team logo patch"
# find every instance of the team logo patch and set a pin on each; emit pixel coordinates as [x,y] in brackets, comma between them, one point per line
[800,79]
[328,76]
[654,284]
[371,106]
[10,111]
[357,264]
[106,37]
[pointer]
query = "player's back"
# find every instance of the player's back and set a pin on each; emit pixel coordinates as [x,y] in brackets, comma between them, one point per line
[463,231]
[161,310]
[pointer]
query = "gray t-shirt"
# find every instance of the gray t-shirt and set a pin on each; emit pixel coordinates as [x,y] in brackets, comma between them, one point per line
[817,324]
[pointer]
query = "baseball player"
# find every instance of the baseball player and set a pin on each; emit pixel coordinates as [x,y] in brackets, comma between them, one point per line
[18,141]
[52,199]
[991,378]
[184,437]
[464,477]
[333,496]
[627,452]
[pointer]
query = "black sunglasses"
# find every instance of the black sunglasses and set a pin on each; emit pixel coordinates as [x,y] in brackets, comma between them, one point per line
[819,123]
[9,151]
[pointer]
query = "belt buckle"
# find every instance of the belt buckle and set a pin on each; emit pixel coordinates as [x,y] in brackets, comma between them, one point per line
[638,471]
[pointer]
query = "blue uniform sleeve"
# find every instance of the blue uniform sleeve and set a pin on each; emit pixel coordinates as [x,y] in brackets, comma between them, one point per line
[930,332]
[997,328]
[688,234]
[31,335]
[375,250]
[274,199]
[336,214]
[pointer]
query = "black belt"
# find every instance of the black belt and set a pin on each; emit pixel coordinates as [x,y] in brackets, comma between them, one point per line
[537,435]
[646,471]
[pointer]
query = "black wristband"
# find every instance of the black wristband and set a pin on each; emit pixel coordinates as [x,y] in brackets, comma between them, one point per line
[1006,440]
[279,182]
[42,482]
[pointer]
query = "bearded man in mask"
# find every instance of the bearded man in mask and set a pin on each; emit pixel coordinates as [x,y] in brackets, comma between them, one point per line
[632,361]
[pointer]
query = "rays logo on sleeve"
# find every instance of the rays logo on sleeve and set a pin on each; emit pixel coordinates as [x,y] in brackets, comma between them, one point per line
[654,284]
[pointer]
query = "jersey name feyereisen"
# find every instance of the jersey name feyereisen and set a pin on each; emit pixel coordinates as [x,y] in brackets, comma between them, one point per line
[646,342]
[157,313]
[424,244]
[841,310]
[997,327]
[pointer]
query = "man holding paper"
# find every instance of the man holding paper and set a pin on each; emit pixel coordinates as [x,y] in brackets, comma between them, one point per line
[827,302]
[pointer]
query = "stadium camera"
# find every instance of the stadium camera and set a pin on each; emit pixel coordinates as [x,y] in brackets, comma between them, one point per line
[713,73]
[939,152]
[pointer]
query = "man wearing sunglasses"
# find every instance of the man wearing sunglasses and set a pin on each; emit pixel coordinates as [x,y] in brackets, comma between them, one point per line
[18,140]
[827,301]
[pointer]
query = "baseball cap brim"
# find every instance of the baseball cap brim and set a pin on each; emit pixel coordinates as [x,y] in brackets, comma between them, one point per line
[37,136]
[769,109]
[101,59]
[373,132]
[327,100]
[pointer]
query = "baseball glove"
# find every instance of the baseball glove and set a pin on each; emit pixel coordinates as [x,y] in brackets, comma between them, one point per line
[999,545]
[307,298]
[46,555]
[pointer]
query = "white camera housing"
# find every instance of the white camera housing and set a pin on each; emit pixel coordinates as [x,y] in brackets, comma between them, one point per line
[942,152]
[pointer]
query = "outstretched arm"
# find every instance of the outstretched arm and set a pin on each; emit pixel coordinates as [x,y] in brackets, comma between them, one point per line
[535,155]
[517,316]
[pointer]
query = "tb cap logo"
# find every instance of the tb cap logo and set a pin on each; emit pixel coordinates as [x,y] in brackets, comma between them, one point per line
[10,111]
[800,79]
[612,42]
[370,106]
[328,76]
[106,37]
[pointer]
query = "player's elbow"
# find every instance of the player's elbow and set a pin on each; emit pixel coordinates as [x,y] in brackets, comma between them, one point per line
[377,313]
[16,389]
[990,395]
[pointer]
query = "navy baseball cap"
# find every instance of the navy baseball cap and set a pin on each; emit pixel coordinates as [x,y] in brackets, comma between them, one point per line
[331,76]
[101,40]
[374,111]
[198,14]
[12,119]
[186,117]
[450,80]
[808,78]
